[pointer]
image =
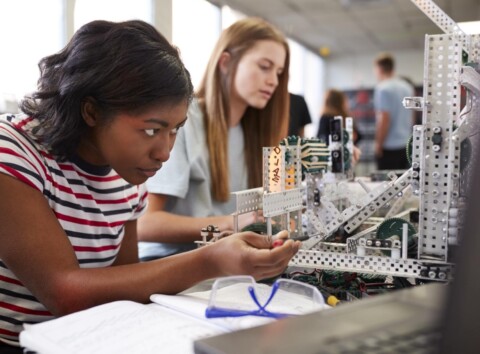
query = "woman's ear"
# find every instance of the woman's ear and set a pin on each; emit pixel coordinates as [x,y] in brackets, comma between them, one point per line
[89,113]
[223,62]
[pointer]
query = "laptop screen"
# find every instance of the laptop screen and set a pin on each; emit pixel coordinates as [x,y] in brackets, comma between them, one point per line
[462,311]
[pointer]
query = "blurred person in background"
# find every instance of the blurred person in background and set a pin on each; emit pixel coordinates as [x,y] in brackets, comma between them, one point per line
[335,104]
[394,123]
[299,115]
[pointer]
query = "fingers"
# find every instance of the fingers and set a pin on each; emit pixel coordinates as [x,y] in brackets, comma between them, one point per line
[277,263]
[255,240]
[225,233]
[270,270]
[281,235]
[262,241]
[279,238]
[251,253]
[275,256]
[269,273]
[287,250]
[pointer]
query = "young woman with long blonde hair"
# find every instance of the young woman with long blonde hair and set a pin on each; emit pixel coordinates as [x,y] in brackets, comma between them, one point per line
[241,106]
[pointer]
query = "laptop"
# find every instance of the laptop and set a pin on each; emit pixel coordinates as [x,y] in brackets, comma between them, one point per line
[430,318]
[376,325]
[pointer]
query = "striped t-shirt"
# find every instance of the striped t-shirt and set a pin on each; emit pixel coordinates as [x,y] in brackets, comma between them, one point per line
[91,203]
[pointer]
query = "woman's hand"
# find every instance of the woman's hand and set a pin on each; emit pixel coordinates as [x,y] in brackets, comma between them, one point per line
[243,221]
[253,254]
[356,154]
[250,218]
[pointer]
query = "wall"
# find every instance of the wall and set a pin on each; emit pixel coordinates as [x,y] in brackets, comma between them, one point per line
[354,72]
[162,17]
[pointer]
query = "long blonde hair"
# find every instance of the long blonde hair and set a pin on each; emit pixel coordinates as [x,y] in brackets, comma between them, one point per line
[262,127]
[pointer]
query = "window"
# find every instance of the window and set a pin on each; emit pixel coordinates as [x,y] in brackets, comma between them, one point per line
[229,16]
[111,10]
[26,38]
[314,73]
[195,30]
[297,58]
[307,72]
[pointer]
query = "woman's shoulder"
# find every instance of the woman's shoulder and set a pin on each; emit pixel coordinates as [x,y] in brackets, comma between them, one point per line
[18,127]
[195,120]
[194,111]
[22,157]
[18,121]
[326,116]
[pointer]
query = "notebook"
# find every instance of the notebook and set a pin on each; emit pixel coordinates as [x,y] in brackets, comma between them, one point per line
[169,324]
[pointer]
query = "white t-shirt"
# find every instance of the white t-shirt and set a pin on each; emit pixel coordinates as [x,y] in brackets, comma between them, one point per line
[186,179]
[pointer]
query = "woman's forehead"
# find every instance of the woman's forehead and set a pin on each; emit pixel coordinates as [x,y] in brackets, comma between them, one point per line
[269,50]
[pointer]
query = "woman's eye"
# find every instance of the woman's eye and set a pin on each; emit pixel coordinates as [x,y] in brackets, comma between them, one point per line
[175,130]
[151,132]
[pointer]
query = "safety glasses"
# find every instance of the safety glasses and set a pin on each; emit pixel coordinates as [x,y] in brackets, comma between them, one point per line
[241,296]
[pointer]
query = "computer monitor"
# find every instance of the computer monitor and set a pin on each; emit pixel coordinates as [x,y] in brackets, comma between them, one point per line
[461,318]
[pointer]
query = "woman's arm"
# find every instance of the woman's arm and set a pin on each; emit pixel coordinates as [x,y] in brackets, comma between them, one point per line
[36,249]
[128,252]
[158,225]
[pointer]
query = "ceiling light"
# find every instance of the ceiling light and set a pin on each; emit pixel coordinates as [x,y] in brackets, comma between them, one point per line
[472,27]
[324,51]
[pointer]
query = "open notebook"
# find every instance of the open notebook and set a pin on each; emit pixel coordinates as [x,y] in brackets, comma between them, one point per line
[169,324]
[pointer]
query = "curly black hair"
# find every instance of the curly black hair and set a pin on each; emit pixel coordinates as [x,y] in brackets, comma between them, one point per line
[121,67]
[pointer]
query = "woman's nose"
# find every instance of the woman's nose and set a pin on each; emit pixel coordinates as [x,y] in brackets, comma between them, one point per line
[161,149]
[273,79]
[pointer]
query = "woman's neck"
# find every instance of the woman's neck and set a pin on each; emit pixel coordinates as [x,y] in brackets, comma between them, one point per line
[237,110]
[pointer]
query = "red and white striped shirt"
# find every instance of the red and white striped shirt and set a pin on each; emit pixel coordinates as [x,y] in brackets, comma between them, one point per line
[91,203]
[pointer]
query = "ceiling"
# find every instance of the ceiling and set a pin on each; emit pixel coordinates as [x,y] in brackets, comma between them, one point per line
[354,27]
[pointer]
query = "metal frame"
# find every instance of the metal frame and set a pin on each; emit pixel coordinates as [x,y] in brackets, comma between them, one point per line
[439,176]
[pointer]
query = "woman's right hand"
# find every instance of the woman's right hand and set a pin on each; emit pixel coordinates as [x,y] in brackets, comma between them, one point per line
[252,254]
